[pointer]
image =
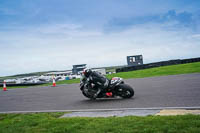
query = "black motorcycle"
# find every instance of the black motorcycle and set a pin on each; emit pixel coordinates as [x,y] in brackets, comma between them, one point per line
[116,87]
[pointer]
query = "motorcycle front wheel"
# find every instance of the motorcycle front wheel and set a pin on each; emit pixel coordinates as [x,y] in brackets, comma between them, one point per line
[86,94]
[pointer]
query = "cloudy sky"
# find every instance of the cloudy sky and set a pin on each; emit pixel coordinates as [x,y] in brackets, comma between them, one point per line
[43,35]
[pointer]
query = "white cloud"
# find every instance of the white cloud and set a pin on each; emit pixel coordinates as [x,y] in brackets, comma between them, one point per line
[196,36]
[58,47]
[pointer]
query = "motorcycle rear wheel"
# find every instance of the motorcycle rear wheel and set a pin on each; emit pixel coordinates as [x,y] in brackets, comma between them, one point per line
[127,91]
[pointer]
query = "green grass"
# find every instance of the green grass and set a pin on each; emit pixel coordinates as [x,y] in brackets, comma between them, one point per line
[158,71]
[50,123]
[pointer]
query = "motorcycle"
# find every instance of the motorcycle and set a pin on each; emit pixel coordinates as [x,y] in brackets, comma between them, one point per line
[116,87]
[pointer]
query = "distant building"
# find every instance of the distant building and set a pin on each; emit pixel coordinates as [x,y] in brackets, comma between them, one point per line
[135,60]
[60,73]
[78,68]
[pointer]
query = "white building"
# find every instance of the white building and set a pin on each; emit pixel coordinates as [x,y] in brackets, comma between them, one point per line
[61,73]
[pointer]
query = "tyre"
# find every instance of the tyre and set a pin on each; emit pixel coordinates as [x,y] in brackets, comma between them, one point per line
[126,91]
[85,94]
[88,95]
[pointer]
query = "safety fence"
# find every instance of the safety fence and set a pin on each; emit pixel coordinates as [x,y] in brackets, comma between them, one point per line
[22,84]
[157,64]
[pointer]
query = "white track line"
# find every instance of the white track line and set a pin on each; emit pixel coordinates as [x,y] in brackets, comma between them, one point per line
[95,110]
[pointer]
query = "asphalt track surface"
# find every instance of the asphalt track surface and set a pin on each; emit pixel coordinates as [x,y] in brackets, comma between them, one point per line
[164,91]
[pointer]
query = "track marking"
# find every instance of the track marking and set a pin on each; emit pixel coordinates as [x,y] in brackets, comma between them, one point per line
[95,110]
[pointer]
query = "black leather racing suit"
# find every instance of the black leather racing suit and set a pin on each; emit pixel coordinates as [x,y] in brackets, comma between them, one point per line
[99,80]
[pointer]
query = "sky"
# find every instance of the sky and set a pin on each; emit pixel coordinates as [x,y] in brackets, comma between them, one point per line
[45,35]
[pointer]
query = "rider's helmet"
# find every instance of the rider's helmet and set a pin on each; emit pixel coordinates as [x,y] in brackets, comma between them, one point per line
[87,72]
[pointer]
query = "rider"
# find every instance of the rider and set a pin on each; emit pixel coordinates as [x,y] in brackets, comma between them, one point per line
[96,78]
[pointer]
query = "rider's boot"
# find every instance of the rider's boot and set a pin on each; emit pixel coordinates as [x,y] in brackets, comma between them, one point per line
[97,93]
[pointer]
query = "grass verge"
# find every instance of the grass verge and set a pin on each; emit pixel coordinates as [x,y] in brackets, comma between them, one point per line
[50,123]
[160,71]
